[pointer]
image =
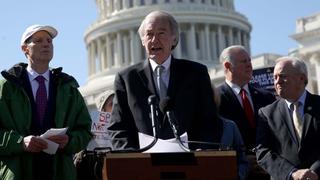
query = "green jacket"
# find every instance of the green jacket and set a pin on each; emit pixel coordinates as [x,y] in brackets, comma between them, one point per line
[16,118]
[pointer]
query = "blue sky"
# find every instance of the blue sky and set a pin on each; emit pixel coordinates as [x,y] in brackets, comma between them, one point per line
[273,22]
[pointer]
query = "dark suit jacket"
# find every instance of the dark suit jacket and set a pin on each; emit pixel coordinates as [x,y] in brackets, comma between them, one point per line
[231,108]
[278,150]
[189,90]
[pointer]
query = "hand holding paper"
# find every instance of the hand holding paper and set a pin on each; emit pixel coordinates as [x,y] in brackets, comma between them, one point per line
[54,137]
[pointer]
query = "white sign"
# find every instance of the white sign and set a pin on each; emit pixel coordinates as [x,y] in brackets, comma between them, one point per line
[99,125]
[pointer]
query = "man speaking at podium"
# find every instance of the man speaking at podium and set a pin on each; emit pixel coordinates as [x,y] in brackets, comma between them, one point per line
[187,84]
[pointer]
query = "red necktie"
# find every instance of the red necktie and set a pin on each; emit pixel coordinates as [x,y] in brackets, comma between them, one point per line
[247,108]
[41,99]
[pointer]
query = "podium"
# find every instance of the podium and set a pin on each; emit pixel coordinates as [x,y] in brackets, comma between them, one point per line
[202,165]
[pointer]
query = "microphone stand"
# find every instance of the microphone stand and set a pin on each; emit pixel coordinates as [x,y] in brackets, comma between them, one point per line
[173,126]
[152,101]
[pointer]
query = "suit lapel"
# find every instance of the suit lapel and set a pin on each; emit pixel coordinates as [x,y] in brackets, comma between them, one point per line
[255,99]
[233,98]
[307,117]
[286,117]
[145,74]
[175,77]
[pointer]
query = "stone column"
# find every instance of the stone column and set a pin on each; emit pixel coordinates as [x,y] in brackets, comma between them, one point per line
[98,57]
[117,5]
[136,3]
[248,44]
[214,46]
[245,40]
[139,48]
[239,37]
[89,58]
[177,50]
[126,50]
[208,2]
[118,59]
[133,55]
[220,39]
[93,58]
[315,61]
[207,42]
[230,36]
[109,55]
[201,53]
[148,2]
[125,4]
[232,4]
[192,42]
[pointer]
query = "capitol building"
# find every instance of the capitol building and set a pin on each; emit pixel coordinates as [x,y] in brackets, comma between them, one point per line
[206,28]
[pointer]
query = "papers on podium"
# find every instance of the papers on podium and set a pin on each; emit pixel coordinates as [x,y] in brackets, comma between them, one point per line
[168,145]
[52,146]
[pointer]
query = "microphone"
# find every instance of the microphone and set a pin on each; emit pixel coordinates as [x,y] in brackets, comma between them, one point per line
[152,101]
[166,108]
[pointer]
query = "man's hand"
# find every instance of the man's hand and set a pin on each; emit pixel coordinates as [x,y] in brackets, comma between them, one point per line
[34,143]
[304,174]
[62,140]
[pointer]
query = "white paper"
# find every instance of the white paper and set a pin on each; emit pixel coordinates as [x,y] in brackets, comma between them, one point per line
[168,145]
[54,132]
[52,146]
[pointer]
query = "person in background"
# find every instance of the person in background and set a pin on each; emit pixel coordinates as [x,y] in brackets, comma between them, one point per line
[241,101]
[104,102]
[33,99]
[232,139]
[288,130]
[186,83]
[89,166]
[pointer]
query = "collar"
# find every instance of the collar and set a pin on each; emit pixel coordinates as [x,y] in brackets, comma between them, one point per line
[236,88]
[165,64]
[33,74]
[301,99]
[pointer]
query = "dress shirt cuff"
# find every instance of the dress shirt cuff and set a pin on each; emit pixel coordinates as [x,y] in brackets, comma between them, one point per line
[289,177]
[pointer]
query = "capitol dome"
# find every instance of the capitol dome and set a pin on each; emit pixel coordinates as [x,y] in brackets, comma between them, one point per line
[206,28]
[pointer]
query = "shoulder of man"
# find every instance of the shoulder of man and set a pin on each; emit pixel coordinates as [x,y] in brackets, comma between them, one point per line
[135,67]
[274,106]
[188,63]
[60,77]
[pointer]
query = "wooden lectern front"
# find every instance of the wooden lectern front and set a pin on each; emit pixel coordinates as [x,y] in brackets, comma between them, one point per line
[200,165]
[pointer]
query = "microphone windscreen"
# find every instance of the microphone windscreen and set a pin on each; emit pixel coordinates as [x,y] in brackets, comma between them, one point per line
[164,104]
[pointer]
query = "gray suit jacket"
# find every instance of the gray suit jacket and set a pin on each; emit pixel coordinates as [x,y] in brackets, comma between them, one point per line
[278,149]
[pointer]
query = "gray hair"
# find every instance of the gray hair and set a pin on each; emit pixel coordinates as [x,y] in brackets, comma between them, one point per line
[168,17]
[297,64]
[226,54]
